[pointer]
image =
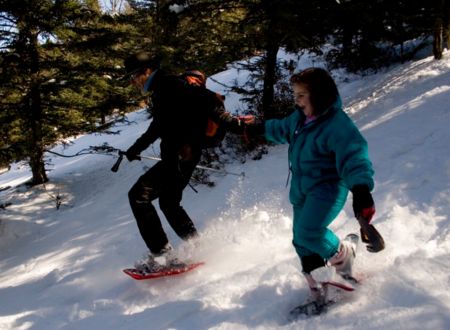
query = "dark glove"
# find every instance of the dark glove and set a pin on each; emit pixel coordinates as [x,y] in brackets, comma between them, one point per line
[254,130]
[132,154]
[363,204]
[253,134]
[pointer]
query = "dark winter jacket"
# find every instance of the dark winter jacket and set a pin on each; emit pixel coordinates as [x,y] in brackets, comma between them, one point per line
[180,114]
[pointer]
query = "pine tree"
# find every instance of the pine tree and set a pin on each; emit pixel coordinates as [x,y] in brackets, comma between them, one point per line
[359,27]
[200,34]
[447,23]
[275,24]
[55,68]
[22,75]
[209,35]
[373,34]
[441,10]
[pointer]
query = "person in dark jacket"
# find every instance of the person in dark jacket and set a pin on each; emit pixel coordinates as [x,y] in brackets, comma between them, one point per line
[180,115]
[328,157]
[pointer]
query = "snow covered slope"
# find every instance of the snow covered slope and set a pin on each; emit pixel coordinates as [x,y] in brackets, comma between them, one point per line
[61,269]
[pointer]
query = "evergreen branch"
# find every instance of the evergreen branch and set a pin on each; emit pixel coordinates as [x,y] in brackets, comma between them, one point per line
[220,83]
[99,150]
[7,18]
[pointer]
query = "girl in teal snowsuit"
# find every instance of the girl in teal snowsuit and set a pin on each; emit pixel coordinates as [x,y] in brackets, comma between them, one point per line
[328,156]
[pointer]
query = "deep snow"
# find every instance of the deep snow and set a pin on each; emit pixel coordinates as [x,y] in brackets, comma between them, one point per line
[61,269]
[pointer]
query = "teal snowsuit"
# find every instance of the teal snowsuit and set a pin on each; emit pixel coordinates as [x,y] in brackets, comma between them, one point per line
[327,157]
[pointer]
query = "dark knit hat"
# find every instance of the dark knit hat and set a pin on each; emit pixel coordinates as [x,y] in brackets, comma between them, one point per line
[139,61]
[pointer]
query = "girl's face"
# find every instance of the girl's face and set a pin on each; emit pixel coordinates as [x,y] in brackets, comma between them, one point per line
[302,98]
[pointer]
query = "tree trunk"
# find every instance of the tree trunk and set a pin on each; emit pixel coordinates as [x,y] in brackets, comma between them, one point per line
[447,23]
[437,41]
[347,40]
[270,79]
[438,31]
[36,141]
[36,147]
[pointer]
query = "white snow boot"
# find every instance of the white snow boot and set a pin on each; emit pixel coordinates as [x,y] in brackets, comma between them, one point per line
[344,258]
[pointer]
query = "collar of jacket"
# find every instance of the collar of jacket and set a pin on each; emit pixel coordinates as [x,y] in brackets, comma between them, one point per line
[337,105]
[149,83]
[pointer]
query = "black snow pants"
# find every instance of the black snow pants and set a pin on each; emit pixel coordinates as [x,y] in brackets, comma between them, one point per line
[160,183]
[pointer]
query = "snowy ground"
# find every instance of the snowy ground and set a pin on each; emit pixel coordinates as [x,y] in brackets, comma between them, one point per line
[61,269]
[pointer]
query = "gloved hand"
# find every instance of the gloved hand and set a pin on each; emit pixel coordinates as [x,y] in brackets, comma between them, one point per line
[254,127]
[363,204]
[131,154]
[254,132]
[247,119]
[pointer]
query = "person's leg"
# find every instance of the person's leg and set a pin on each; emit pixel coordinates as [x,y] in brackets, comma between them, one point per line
[313,241]
[141,195]
[309,259]
[311,219]
[169,202]
[176,216]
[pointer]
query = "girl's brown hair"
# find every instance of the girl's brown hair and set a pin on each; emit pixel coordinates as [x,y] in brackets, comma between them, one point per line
[321,86]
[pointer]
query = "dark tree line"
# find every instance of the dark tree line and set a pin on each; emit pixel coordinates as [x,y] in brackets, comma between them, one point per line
[60,59]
